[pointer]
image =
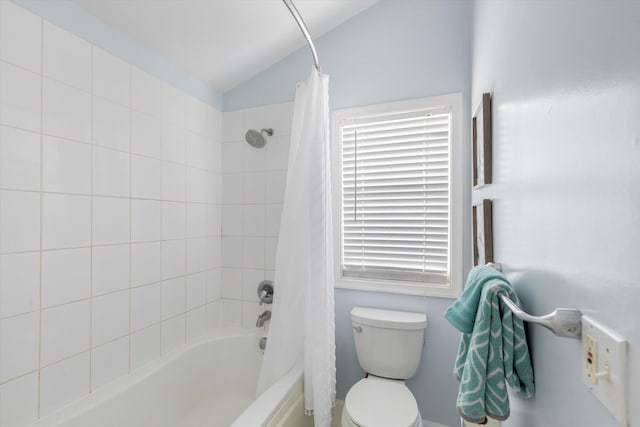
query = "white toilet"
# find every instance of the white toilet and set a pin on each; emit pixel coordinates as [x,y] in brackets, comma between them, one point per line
[389,346]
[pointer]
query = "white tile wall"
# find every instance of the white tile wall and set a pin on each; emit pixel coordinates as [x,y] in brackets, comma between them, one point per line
[146,134]
[66,111]
[111,172]
[173,297]
[109,361]
[109,317]
[173,333]
[66,276]
[145,306]
[66,57]
[65,331]
[146,93]
[66,166]
[196,290]
[19,349]
[196,323]
[19,283]
[174,143]
[214,285]
[145,345]
[66,221]
[146,177]
[111,124]
[174,105]
[18,24]
[111,220]
[110,268]
[231,313]
[19,400]
[20,159]
[20,97]
[19,221]
[145,263]
[146,220]
[111,77]
[253,183]
[110,217]
[63,382]
[173,258]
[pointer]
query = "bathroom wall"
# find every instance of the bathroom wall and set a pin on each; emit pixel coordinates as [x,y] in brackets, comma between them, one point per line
[110,195]
[394,50]
[565,79]
[253,182]
[73,18]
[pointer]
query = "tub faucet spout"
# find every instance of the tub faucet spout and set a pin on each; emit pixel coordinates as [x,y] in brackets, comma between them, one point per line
[263,318]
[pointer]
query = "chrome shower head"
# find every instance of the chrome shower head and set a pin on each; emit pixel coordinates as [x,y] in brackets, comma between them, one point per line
[257,139]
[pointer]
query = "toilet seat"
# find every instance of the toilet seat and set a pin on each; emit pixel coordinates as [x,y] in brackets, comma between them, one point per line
[380,402]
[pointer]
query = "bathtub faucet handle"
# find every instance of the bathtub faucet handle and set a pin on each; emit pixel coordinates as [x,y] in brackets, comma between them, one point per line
[265,292]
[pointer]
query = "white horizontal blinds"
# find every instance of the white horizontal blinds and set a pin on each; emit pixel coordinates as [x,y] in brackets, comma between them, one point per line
[395,203]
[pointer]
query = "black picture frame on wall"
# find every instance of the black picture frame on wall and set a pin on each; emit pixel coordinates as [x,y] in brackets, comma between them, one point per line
[482,233]
[481,127]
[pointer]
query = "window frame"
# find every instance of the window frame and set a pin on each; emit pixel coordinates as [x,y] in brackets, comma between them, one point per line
[453,103]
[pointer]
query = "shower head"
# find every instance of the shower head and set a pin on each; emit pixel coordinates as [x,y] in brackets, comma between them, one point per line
[257,139]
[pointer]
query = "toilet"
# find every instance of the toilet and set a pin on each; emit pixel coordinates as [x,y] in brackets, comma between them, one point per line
[388,346]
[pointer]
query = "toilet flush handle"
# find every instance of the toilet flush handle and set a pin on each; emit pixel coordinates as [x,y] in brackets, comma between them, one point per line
[358,329]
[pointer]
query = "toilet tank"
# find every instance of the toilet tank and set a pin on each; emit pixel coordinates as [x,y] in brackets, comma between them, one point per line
[388,343]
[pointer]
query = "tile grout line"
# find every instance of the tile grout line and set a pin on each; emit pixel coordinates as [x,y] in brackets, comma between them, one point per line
[242,205]
[104,196]
[39,387]
[129,350]
[186,198]
[162,219]
[91,230]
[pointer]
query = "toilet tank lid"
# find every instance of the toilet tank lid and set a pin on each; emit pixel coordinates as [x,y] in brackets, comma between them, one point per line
[388,318]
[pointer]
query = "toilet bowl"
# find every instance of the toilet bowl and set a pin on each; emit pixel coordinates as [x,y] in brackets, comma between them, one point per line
[380,402]
[389,347]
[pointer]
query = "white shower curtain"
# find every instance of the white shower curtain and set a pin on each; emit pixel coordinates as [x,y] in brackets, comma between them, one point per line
[302,326]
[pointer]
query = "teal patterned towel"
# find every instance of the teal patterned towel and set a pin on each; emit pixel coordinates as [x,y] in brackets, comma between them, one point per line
[493,349]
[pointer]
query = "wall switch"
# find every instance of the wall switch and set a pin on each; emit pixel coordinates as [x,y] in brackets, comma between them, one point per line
[604,367]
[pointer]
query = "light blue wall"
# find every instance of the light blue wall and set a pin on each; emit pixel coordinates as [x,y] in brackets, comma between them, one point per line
[71,17]
[565,78]
[398,49]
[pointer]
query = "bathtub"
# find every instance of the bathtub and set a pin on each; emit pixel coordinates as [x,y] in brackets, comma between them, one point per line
[209,383]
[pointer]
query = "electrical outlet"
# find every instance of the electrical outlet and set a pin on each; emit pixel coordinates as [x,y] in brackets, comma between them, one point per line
[604,363]
[590,357]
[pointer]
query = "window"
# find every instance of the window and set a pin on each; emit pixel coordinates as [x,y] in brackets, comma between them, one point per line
[395,189]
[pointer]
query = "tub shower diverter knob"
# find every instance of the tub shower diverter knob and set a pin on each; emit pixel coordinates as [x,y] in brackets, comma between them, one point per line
[265,292]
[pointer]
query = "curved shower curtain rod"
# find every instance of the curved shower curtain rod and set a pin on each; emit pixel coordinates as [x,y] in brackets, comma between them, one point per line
[304,29]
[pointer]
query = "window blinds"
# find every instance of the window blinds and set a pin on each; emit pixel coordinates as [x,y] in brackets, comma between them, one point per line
[395,196]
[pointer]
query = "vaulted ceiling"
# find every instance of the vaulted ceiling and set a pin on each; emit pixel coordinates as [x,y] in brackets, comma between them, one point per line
[222,42]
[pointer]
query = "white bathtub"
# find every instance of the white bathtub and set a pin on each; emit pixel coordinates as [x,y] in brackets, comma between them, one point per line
[210,383]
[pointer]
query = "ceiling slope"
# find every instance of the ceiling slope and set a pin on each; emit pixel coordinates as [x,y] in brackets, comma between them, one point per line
[222,42]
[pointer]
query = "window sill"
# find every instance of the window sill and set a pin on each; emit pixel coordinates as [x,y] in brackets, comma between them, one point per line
[395,287]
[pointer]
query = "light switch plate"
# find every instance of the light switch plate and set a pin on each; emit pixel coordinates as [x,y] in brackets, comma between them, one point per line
[607,351]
